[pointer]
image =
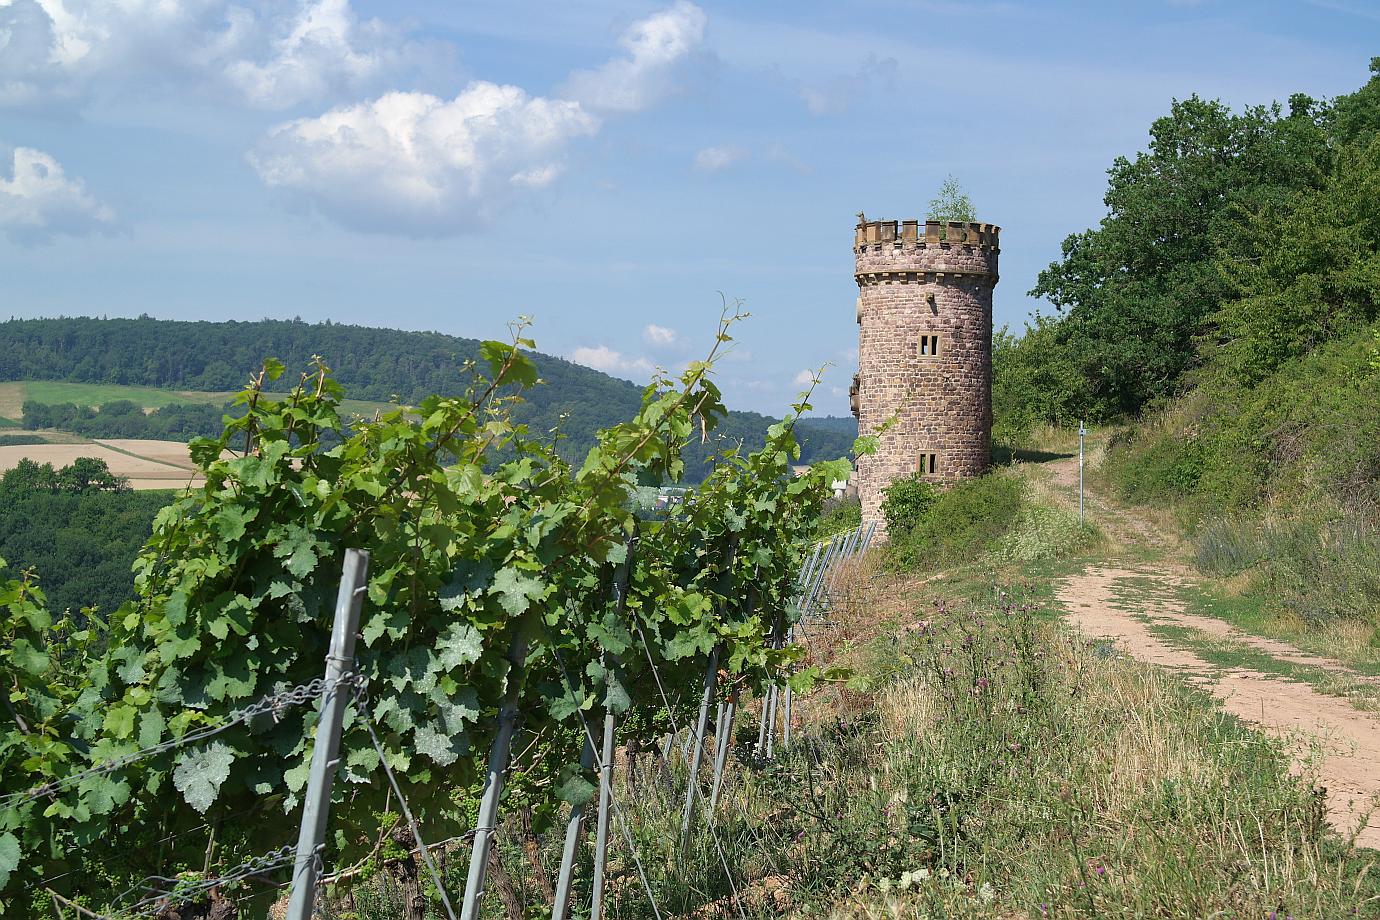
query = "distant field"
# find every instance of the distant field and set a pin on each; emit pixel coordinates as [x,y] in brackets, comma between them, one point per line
[146,464]
[165,466]
[13,395]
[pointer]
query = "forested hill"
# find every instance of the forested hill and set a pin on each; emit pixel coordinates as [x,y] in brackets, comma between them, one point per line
[372,364]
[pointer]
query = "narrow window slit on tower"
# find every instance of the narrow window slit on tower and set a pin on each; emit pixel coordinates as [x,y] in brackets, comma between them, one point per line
[927,464]
[929,346]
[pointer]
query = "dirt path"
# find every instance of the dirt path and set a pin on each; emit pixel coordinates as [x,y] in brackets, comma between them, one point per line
[1126,603]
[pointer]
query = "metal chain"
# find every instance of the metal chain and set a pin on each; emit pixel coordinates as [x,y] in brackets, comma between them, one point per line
[274,703]
[180,891]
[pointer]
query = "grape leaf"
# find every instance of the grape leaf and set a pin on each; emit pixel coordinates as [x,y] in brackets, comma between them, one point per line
[27,658]
[9,857]
[200,773]
[575,789]
[515,590]
[436,745]
[459,645]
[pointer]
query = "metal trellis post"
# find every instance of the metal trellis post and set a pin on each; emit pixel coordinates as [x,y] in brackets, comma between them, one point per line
[775,699]
[601,837]
[317,803]
[721,756]
[867,540]
[561,907]
[691,789]
[611,676]
[499,756]
[790,699]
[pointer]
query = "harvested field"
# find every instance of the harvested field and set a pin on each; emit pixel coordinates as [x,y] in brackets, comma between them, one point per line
[12,401]
[173,453]
[142,471]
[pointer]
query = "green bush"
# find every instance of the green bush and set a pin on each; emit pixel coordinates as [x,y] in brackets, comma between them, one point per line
[953,526]
[905,504]
[840,515]
[1227,546]
[1163,468]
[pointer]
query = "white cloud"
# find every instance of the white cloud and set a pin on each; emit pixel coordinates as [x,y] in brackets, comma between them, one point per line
[714,159]
[603,358]
[266,53]
[654,46]
[805,378]
[325,50]
[838,95]
[39,202]
[417,164]
[659,336]
[412,163]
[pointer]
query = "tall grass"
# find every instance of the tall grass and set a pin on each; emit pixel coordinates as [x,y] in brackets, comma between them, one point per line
[1318,571]
[993,766]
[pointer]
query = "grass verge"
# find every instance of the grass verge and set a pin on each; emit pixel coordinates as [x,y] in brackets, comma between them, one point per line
[982,762]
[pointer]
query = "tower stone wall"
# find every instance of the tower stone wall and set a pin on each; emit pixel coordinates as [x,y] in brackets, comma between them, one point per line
[924,316]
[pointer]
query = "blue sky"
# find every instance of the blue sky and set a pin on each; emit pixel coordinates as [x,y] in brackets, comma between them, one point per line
[608,167]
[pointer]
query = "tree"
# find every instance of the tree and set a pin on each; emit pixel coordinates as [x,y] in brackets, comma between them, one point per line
[1138,292]
[951,203]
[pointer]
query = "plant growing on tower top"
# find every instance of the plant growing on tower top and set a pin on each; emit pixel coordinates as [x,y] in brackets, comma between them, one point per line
[951,203]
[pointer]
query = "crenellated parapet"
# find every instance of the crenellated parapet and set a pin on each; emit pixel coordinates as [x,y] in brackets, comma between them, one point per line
[907,252]
[911,233]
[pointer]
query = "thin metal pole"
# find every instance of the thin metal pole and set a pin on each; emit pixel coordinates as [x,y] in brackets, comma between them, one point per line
[354,580]
[601,837]
[692,789]
[773,699]
[611,675]
[499,756]
[848,544]
[786,729]
[1082,433]
[573,827]
[807,572]
[721,757]
[762,725]
[819,578]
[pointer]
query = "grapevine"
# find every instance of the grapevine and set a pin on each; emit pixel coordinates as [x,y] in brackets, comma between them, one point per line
[485,546]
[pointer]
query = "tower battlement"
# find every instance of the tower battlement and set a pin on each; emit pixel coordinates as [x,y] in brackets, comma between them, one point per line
[912,233]
[924,315]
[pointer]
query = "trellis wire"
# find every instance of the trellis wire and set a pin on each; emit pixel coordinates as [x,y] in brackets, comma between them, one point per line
[181,891]
[589,739]
[273,703]
[411,821]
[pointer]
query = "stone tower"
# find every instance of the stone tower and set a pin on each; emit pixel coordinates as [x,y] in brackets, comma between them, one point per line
[924,351]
